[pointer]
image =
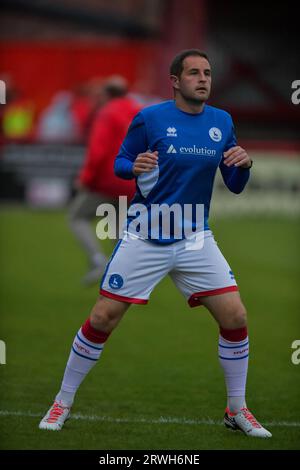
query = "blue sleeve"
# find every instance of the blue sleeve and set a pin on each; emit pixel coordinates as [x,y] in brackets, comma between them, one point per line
[234,177]
[134,143]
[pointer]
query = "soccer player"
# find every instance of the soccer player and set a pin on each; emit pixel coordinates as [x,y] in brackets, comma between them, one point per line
[173,150]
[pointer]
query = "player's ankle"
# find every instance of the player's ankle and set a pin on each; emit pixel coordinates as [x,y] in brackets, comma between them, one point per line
[65,398]
[235,404]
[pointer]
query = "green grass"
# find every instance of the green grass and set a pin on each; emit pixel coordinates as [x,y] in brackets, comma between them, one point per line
[161,360]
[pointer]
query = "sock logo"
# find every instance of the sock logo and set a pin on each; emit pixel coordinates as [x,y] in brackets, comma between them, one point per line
[241,351]
[81,348]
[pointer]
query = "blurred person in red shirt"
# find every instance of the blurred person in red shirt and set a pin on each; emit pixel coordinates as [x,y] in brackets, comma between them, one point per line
[97,182]
[87,100]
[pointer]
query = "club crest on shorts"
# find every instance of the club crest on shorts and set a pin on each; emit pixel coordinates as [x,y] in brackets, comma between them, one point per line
[215,134]
[116,281]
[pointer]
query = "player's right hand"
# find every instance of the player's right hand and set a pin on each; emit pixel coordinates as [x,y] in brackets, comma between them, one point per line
[145,162]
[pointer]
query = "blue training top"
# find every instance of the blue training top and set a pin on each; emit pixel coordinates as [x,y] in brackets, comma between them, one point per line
[190,149]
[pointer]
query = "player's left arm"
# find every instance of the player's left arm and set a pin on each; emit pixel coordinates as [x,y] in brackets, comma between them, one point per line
[235,164]
[238,157]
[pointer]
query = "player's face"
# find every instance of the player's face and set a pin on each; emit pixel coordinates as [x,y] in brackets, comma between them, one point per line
[194,84]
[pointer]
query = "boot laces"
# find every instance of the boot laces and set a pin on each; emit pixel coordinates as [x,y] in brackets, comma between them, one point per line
[56,411]
[249,416]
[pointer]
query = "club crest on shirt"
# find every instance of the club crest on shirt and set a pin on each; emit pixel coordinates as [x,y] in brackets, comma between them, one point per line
[215,134]
[116,281]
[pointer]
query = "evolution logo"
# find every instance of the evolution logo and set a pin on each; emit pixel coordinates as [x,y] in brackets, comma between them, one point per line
[192,150]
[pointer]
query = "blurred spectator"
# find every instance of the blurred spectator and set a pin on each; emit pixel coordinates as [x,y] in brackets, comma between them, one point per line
[17,116]
[57,123]
[88,98]
[69,116]
[97,181]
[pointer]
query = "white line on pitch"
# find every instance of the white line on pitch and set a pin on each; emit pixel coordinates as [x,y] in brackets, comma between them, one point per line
[141,420]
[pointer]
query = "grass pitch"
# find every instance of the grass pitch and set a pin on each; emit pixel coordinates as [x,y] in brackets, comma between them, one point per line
[158,384]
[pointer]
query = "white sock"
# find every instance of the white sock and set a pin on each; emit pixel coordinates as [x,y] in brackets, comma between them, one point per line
[83,356]
[235,404]
[233,358]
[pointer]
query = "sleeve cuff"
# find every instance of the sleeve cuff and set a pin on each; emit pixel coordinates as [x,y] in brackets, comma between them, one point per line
[248,167]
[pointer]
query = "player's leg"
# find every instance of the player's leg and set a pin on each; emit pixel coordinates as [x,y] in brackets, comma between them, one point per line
[81,214]
[230,314]
[88,344]
[205,278]
[135,267]
[86,349]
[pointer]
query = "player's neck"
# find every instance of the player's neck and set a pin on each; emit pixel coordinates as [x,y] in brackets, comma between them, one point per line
[188,106]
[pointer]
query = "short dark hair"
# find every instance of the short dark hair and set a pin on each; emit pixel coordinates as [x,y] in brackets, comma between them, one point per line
[115,86]
[176,66]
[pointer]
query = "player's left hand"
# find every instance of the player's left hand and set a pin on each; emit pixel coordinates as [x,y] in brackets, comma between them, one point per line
[237,156]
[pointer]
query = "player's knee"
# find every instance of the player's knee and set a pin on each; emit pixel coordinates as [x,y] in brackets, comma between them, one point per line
[106,314]
[238,317]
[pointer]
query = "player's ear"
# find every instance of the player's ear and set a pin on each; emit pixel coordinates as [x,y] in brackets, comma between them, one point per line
[174,81]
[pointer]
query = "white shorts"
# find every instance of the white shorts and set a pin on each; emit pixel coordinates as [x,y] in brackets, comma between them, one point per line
[137,265]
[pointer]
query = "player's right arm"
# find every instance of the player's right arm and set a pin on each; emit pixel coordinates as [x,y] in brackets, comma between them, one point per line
[134,157]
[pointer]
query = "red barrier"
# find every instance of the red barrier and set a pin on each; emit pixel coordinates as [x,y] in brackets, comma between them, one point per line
[39,69]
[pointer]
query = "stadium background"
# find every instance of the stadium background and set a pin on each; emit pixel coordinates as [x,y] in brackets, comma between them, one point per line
[159,384]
